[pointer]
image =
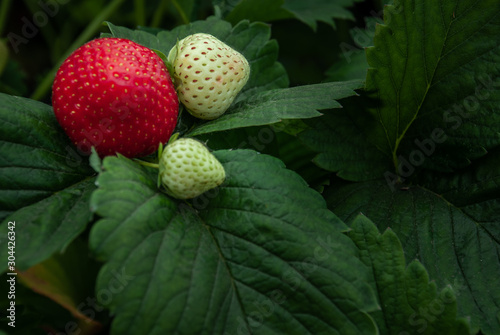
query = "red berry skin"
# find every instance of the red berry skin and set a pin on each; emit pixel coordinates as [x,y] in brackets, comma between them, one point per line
[117,96]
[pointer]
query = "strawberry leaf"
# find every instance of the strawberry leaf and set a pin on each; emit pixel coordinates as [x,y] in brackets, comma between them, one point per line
[457,46]
[476,184]
[434,72]
[308,12]
[312,11]
[276,105]
[404,292]
[44,185]
[241,258]
[459,246]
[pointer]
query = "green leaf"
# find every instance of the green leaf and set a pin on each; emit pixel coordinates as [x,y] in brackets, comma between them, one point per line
[253,10]
[340,138]
[49,225]
[44,183]
[308,12]
[252,40]
[37,159]
[433,88]
[320,10]
[244,257]
[459,248]
[433,67]
[478,183]
[349,68]
[298,157]
[275,105]
[261,139]
[353,63]
[406,296]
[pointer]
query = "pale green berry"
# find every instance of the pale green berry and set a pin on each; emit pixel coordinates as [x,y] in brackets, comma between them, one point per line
[188,169]
[208,74]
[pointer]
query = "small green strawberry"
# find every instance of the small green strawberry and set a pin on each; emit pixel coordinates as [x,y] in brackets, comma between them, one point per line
[188,169]
[208,74]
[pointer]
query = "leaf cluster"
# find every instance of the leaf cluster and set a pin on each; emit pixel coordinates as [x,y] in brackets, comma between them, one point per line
[366,203]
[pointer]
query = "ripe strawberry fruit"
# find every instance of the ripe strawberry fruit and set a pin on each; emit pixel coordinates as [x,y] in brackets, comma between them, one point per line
[208,74]
[117,96]
[188,169]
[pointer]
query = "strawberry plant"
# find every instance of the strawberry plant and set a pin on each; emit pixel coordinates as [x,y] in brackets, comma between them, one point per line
[344,181]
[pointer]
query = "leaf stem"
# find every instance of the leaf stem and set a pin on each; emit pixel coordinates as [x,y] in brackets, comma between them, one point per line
[91,29]
[379,4]
[4,10]
[140,16]
[148,164]
[181,11]
[47,30]
[155,22]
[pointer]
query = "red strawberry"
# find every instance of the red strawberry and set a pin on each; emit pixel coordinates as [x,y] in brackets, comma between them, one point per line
[117,96]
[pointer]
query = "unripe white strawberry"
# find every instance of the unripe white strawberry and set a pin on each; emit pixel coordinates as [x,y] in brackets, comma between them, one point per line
[208,74]
[188,169]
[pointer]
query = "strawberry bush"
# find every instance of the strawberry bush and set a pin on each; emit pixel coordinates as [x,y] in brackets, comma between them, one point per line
[358,171]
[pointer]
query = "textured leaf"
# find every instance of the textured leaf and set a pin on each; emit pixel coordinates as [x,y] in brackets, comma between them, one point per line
[44,183]
[261,139]
[340,137]
[308,12]
[429,65]
[352,67]
[243,258]
[320,10]
[253,10]
[433,83]
[36,158]
[273,106]
[298,157]
[48,226]
[459,248]
[353,63]
[474,185]
[406,296]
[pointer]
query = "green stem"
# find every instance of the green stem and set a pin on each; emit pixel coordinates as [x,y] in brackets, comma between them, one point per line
[155,22]
[184,17]
[47,30]
[379,4]
[140,16]
[152,165]
[91,29]
[4,11]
